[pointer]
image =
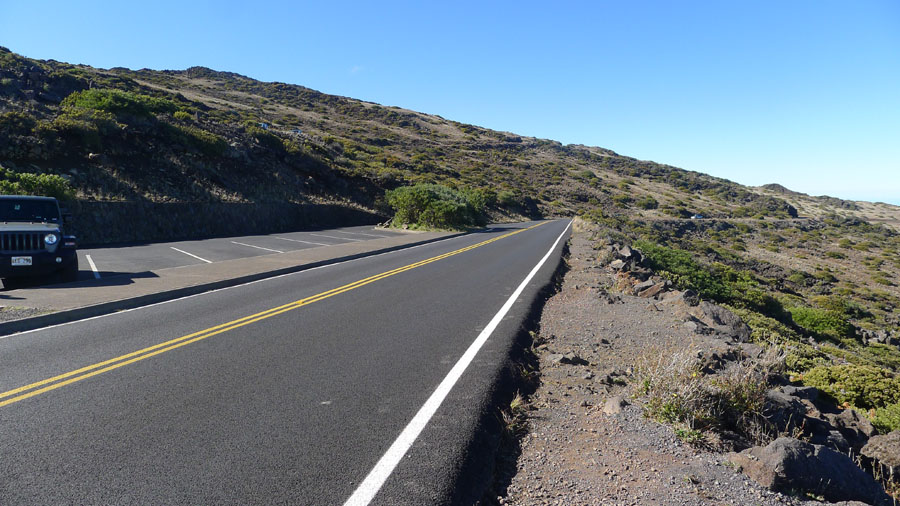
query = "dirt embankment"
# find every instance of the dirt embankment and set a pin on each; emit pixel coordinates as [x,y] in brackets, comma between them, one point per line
[589,439]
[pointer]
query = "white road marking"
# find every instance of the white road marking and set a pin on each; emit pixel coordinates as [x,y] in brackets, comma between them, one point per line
[386,465]
[190,254]
[338,238]
[93,267]
[304,242]
[257,247]
[360,233]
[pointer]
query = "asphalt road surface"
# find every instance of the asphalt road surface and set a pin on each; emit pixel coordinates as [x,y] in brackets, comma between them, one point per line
[128,259]
[352,383]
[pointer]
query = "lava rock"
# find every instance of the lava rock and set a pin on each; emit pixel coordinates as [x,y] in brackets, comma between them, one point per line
[614,405]
[789,464]
[885,449]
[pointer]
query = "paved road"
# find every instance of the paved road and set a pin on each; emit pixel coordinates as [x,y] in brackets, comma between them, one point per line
[107,262]
[302,389]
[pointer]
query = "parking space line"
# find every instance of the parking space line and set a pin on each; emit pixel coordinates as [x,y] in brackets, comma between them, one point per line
[257,247]
[93,266]
[360,233]
[191,254]
[338,238]
[304,242]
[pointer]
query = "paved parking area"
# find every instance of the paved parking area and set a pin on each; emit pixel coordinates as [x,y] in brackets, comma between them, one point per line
[106,262]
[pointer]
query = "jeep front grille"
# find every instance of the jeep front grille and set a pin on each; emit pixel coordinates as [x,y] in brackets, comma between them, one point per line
[21,242]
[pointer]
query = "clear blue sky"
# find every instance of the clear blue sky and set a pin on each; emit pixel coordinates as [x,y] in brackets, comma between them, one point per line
[805,93]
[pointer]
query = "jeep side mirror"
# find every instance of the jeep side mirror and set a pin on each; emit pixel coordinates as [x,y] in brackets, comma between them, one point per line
[67,218]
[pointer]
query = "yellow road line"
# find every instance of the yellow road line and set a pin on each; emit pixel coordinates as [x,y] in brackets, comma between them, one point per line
[61,380]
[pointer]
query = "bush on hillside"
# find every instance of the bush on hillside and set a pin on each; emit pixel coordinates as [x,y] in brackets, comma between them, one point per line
[861,386]
[647,202]
[436,206]
[118,102]
[823,323]
[887,419]
[26,183]
[507,198]
[717,281]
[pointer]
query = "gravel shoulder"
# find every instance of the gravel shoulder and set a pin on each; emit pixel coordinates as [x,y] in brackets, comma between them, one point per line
[588,441]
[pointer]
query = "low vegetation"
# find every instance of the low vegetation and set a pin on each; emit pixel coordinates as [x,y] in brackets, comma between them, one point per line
[26,183]
[679,392]
[836,331]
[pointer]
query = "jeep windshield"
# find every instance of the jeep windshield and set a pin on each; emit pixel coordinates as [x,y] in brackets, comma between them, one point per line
[31,211]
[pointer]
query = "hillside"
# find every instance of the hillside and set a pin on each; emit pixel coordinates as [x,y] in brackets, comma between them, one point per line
[198,134]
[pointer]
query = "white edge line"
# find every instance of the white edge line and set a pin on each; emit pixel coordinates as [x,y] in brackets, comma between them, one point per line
[190,254]
[264,280]
[304,242]
[388,462]
[93,267]
[257,247]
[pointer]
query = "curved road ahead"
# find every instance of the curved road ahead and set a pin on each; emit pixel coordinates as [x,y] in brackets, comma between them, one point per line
[302,389]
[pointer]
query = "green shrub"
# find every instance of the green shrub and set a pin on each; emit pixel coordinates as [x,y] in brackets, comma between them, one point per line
[718,281]
[887,419]
[621,199]
[764,329]
[507,198]
[436,206]
[78,129]
[862,386]
[72,131]
[647,202]
[118,102]
[803,357]
[206,142]
[26,183]
[823,323]
[182,115]
[264,137]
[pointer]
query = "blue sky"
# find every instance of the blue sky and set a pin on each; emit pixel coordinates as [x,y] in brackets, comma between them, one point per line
[803,93]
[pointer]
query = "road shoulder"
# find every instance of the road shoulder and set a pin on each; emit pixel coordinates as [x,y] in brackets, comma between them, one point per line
[588,442]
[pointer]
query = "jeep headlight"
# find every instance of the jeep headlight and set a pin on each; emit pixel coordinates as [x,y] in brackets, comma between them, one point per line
[50,239]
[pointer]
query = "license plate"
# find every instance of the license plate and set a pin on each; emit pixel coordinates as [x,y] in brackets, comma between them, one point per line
[19,261]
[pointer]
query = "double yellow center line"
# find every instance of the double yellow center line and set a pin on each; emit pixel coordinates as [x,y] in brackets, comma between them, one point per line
[40,387]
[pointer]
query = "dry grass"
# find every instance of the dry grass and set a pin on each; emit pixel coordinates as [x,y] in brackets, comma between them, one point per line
[702,406]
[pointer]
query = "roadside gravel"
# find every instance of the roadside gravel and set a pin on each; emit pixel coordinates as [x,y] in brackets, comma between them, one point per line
[10,313]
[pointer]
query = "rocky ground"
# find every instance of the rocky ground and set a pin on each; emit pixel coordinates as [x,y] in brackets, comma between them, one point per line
[588,440]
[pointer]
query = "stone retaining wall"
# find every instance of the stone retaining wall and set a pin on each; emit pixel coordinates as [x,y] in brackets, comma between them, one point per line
[98,223]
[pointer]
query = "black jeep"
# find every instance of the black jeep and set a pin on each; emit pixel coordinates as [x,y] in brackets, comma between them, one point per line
[33,241]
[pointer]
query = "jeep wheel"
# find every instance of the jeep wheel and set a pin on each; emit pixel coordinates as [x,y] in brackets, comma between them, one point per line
[69,273]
